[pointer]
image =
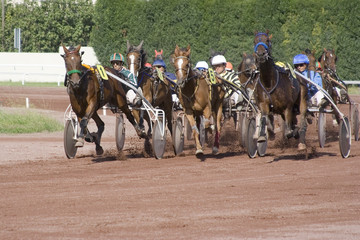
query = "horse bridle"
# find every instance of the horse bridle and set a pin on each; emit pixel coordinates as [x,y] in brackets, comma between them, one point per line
[261,43]
[69,73]
[183,69]
[133,63]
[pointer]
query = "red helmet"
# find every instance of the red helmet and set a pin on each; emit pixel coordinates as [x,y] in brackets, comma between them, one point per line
[148,65]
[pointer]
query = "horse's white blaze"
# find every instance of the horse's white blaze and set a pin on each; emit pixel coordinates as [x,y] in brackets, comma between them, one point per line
[132,63]
[179,66]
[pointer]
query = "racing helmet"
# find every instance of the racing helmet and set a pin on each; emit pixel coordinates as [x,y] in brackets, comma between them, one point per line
[160,63]
[116,57]
[201,65]
[218,59]
[229,66]
[300,58]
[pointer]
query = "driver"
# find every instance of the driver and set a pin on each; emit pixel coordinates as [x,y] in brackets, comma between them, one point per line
[117,61]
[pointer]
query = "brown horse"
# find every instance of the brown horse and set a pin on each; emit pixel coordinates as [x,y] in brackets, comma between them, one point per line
[330,79]
[248,72]
[88,93]
[196,98]
[156,89]
[278,92]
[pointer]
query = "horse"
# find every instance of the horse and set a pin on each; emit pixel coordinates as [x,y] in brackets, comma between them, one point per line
[88,93]
[330,79]
[196,97]
[248,72]
[278,92]
[155,87]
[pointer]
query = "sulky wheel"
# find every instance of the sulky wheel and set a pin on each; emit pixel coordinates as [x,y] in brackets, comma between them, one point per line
[251,142]
[355,122]
[178,136]
[69,141]
[244,130]
[120,132]
[345,137]
[159,139]
[322,129]
[261,148]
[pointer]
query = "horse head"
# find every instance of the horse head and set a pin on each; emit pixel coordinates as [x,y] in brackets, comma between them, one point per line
[328,61]
[262,45]
[181,62]
[312,59]
[158,55]
[136,57]
[72,58]
[248,65]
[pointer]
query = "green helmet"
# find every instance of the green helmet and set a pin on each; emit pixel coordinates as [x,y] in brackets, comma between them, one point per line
[116,57]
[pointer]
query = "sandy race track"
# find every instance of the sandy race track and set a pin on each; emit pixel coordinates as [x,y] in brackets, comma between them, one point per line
[125,195]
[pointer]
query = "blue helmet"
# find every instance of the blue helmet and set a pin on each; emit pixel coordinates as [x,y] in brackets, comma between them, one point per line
[300,58]
[159,62]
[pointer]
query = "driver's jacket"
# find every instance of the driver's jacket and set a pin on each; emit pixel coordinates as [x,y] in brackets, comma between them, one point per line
[128,76]
[231,77]
[314,77]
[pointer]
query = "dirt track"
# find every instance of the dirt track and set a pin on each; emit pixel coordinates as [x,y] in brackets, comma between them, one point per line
[127,196]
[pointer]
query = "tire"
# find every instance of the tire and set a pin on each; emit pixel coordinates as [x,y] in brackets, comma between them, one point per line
[178,136]
[251,141]
[345,137]
[355,123]
[244,128]
[322,129]
[158,139]
[69,141]
[120,132]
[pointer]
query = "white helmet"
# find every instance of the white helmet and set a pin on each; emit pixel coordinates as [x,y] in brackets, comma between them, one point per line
[202,64]
[218,59]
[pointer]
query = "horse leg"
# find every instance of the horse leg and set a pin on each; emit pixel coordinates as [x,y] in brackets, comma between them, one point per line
[303,122]
[288,114]
[83,124]
[217,116]
[195,132]
[101,126]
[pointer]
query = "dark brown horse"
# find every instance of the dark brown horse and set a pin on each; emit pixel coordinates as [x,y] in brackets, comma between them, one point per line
[196,96]
[155,87]
[277,92]
[88,93]
[248,72]
[331,81]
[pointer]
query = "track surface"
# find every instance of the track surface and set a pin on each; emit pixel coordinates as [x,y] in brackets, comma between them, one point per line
[128,196]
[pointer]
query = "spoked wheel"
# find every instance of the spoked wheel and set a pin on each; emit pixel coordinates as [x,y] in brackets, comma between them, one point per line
[202,131]
[355,122]
[322,129]
[120,132]
[251,141]
[345,137]
[69,141]
[178,136]
[244,130]
[159,139]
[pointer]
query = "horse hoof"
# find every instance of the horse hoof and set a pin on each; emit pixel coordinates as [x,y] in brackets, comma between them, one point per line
[215,150]
[79,142]
[199,152]
[99,151]
[261,139]
[301,147]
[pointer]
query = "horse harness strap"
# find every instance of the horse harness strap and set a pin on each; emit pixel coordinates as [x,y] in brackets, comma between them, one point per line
[99,78]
